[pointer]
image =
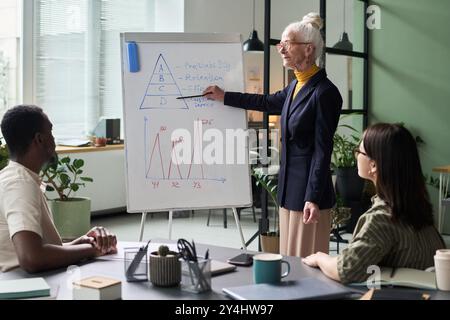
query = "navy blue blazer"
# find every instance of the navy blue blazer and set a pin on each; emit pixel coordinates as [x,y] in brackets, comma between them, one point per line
[308,125]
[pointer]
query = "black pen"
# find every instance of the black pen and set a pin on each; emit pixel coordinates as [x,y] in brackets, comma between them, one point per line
[194,251]
[393,272]
[197,96]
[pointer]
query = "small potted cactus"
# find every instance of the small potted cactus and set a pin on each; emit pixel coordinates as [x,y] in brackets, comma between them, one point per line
[165,267]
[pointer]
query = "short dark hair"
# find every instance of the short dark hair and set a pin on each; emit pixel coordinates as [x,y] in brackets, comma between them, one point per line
[20,125]
[400,182]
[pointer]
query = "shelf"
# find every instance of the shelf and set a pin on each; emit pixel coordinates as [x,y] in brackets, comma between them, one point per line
[64,150]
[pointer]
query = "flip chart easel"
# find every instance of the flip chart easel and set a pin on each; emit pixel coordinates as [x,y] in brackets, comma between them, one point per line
[236,219]
[158,68]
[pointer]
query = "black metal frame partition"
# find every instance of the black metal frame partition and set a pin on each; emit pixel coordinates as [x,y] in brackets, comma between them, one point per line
[364,55]
[268,41]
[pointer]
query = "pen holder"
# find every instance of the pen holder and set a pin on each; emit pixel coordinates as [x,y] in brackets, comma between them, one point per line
[196,276]
[135,260]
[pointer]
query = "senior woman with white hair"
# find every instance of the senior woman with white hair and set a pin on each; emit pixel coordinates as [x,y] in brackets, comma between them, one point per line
[310,107]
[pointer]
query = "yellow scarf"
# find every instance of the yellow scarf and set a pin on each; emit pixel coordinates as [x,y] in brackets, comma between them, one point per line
[303,77]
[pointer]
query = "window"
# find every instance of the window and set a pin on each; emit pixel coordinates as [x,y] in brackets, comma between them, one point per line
[347,57]
[10,31]
[76,61]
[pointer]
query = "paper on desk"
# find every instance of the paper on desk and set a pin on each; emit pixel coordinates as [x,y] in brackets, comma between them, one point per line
[74,142]
[153,246]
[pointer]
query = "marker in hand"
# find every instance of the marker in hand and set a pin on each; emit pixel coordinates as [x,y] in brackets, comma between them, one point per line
[197,96]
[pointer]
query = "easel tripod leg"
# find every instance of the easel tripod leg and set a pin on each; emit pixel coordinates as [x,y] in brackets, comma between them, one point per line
[238,225]
[141,232]
[170,224]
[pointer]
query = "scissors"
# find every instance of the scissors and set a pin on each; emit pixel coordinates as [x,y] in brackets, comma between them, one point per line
[187,250]
[189,254]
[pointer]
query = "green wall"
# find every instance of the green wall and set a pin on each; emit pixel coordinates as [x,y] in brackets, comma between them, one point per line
[410,74]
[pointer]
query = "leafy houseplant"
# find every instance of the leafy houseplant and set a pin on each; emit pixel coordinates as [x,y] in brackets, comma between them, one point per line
[63,177]
[348,184]
[340,214]
[71,215]
[3,155]
[343,148]
[270,241]
[165,267]
[4,80]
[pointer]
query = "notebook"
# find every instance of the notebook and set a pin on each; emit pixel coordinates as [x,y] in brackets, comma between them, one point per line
[396,294]
[24,288]
[219,267]
[405,277]
[306,288]
[74,142]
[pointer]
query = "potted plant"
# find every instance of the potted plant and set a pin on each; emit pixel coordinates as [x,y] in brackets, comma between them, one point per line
[100,141]
[165,267]
[71,215]
[270,241]
[3,155]
[4,80]
[340,215]
[348,183]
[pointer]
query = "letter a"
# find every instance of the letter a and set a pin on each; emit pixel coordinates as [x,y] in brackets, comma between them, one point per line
[374,20]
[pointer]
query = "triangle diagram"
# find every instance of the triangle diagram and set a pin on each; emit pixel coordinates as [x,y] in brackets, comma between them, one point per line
[155,168]
[162,90]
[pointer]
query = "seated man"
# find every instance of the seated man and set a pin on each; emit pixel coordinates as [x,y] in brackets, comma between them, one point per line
[28,237]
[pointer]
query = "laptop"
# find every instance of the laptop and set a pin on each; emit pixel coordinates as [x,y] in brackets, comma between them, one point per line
[306,288]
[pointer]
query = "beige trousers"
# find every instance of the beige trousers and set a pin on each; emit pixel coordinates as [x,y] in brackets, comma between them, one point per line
[301,240]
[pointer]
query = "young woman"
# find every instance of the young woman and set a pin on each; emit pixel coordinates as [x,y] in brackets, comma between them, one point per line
[398,230]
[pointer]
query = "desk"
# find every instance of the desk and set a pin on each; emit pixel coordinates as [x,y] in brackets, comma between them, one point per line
[146,291]
[444,177]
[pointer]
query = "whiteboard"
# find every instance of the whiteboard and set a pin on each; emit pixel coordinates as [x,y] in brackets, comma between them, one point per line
[173,146]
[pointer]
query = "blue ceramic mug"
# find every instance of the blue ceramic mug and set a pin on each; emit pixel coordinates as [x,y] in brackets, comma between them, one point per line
[267,268]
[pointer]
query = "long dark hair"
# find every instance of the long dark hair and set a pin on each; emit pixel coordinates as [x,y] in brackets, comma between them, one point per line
[400,182]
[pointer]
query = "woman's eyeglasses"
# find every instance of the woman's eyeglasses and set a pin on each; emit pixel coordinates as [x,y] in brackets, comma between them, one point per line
[356,151]
[287,44]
